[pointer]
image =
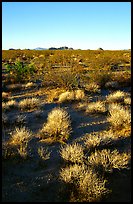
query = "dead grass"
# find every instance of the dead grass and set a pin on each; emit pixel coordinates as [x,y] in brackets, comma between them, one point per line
[69,96]
[93,87]
[96,107]
[7,106]
[87,186]
[109,160]
[119,117]
[29,103]
[117,96]
[43,153]
[72,153]
[20,136]
[58,125]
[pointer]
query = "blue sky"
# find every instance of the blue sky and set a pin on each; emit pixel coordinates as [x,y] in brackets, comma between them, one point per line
[81,25]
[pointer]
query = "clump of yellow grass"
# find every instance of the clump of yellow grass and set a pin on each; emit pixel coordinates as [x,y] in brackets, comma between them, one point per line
[29,103]
[71,96]
[58,125]
[117,96]
[20,135]
[72,153]
[93,87]
[9,105]
[109,160]
[119,117]
[86,183]
[96,107]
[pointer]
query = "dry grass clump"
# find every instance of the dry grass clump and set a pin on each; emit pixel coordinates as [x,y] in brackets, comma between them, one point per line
[20,135]
[119,117]
[87,186]
[5,95]
[79,94]
[67,96]
[127,101]
[117,96]
[9,105]
[93,87]
[29,103]
[71,96]
[96,107]
[43,153]
[58,125]
[96,139]
[72,153]
[108,160]
[29,85]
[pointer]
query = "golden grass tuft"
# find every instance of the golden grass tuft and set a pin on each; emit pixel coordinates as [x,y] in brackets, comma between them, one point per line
[96,107]
[43,153]
[87,185]
[117,96]
[58,125]
[109,160]
[20,135]
[92,87]
[72,153]
[9,105]
[119,116]
[71,96]
[29,103]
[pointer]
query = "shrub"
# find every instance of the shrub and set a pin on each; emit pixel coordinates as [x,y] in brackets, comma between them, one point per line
[72,153]
[119,117]
[127,101]
[20,135]
[58,125]
[108,160]
[92,87]
[117,96]
[96,107]
[5,96]
[71,95]
[86,186]
[43,153]
[29,103]
[79,94]
[8,105]
[20,71]
[66,96]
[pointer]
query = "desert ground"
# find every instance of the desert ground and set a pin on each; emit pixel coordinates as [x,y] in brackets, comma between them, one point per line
[66,142]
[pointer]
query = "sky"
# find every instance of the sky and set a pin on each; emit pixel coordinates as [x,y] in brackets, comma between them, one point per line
[80,25]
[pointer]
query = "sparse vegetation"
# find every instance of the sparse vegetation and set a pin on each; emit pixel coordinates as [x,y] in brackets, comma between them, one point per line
[51,101]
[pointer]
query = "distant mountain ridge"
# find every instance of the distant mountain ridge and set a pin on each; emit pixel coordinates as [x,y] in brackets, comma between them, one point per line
[40,48]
